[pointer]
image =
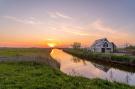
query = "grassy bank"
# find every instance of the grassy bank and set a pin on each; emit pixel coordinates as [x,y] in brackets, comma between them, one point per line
[28,54]
[32,75]
[120,59]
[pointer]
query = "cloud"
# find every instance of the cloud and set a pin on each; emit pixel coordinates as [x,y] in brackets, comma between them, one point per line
[96,29]
[80,33]
[76,30]
[68,28]
[99,25]
[30,20]
[100,29]
[58,15]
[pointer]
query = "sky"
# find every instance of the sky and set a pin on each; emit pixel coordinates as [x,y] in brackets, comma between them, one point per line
[46,23]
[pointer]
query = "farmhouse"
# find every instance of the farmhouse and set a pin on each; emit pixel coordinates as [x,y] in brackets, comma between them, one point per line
[103,45]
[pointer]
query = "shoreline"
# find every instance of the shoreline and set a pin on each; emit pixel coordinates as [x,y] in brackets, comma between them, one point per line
[108,58]
[33,75]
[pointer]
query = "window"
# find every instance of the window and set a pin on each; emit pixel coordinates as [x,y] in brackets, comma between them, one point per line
[105,44]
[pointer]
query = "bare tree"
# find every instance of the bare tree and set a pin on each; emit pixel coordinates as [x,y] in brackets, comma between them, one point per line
[76,45]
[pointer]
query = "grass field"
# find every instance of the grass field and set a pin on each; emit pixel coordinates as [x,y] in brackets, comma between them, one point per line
[32,75]
[28,54]
[25,52]
[43,75]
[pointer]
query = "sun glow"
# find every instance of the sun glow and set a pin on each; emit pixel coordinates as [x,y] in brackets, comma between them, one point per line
[51,45]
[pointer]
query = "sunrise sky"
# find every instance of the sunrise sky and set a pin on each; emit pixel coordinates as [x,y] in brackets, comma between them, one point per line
[48,23]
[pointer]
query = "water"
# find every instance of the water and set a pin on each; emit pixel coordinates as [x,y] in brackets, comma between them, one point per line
[74,66]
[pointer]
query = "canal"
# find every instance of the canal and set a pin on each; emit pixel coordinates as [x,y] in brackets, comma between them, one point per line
[75,66]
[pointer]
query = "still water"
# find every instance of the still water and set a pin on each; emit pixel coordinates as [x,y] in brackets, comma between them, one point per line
[74,66]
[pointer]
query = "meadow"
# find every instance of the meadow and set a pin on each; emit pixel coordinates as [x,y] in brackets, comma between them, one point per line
[42,74]
[25,52]
[33,75]
[28,54]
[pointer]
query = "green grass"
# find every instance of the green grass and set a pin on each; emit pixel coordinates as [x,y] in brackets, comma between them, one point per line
[24,52]
[107,57]
[130,49]
[29,54]
[32,75]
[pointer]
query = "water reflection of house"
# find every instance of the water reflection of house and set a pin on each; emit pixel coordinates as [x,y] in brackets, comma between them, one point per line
[78,60]
[103,45]
[104,68]
[112,74]
[121,76]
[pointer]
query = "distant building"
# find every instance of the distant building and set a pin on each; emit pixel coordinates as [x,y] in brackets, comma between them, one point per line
[103,45]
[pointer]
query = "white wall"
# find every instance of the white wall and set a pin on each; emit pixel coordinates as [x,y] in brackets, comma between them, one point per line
[97,48]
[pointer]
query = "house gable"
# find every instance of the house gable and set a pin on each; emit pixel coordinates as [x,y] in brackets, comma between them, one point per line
[102,45]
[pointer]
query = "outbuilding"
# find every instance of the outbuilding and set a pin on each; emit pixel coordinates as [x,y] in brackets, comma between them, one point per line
[103,45]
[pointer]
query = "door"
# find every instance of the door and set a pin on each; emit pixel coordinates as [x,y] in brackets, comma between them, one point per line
[103,50]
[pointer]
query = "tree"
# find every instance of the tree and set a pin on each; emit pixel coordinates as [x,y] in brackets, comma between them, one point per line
[76,45]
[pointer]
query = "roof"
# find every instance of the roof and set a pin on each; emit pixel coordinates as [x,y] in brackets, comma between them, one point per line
[113,44]
[100,41]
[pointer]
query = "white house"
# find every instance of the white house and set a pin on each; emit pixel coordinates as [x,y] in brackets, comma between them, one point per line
[103,45]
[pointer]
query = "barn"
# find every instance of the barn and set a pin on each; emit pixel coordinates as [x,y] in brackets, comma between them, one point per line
[103,45]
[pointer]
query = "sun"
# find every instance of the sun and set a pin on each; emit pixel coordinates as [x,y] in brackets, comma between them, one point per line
[51,45]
